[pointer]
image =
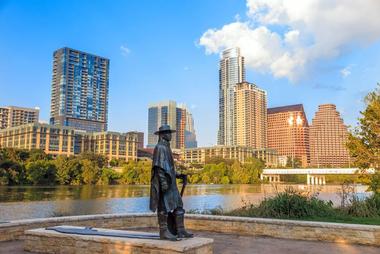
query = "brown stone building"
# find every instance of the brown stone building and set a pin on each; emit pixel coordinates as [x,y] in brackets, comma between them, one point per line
[140,138]
[12,116]
[250,116]
[328,136]
[62,140]
[288,132]
[52,140]
[201,155]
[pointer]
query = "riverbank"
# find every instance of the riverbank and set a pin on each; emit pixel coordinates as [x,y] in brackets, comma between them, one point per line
[294,204]
[49,201]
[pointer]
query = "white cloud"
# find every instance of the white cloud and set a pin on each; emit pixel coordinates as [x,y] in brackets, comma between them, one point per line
[345,72]
[285,37]
[124,50]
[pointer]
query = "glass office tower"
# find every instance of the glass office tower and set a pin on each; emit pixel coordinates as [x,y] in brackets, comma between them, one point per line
[231,72]
[79,96]
[178,117]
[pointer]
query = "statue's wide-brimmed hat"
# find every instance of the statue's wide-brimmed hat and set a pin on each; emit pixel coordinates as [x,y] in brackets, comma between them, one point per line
[164,129]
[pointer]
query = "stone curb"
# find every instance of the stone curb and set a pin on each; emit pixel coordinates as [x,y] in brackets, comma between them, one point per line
[286,229]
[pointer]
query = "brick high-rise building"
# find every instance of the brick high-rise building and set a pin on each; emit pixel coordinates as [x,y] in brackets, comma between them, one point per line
[250,116]
[288,132]
[140,138]
[79,95]
[328,136]
[12,116]
[181,125]
[231,72]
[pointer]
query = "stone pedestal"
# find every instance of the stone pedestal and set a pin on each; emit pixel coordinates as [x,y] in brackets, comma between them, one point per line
[48,241]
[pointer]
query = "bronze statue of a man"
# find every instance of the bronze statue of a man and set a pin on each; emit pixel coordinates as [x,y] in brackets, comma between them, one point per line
[164,194]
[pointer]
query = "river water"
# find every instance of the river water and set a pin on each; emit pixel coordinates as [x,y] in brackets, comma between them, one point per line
[28,202]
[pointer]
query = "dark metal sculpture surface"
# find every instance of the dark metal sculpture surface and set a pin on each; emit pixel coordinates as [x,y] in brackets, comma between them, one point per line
[164,194]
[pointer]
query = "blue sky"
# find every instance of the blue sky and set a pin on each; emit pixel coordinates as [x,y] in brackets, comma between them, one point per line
[166,59]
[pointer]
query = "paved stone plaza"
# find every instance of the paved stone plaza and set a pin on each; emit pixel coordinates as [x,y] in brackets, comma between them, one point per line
[228,243]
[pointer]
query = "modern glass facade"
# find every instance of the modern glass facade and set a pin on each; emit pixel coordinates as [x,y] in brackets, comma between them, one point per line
[231,72]
[178,117]
[79,90]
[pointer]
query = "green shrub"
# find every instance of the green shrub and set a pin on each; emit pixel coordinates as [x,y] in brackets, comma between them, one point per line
[359,208]
[109,176]
[289,204]
[40,172]
[374,203]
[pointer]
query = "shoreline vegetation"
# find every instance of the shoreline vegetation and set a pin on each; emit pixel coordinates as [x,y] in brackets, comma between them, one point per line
[23,167]
[295,205]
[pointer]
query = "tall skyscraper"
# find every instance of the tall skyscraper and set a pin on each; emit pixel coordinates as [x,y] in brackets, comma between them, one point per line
[186,137]
[79,96]
[12,116]
[250,116]
[231,72]
[159,114]
[328,136]
[288,132]
[190,135]
[178,117]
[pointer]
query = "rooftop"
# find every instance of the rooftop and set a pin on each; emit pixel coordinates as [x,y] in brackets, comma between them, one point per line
[296,107]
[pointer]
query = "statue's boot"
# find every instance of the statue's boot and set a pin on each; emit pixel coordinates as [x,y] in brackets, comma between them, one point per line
[179,221]
[163,223]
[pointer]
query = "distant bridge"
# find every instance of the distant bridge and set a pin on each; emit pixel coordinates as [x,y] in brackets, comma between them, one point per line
[314,175]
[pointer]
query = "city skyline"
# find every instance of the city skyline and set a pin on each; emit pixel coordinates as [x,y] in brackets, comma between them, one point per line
[192,78]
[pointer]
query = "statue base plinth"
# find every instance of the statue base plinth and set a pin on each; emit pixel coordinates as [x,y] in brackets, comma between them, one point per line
[49,241]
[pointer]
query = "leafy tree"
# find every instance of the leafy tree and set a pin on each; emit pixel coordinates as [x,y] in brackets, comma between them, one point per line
[364,141]
[11,172]
[293,162]
[137,172]
[109,176]
[225,180]
[253,168]
[40,172]
[100,160]
[91,171]
[114,162]
[194,178]
[238,173]
[69,170]
[37,154]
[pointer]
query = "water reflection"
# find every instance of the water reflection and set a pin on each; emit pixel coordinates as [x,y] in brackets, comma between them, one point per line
[39,202]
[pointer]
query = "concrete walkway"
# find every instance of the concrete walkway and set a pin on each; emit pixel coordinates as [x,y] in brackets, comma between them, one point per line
[230,244]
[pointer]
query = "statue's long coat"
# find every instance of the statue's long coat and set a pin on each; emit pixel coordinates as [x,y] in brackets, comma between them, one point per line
[163,163]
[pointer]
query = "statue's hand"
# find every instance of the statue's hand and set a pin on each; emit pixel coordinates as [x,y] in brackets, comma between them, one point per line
[181,176]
